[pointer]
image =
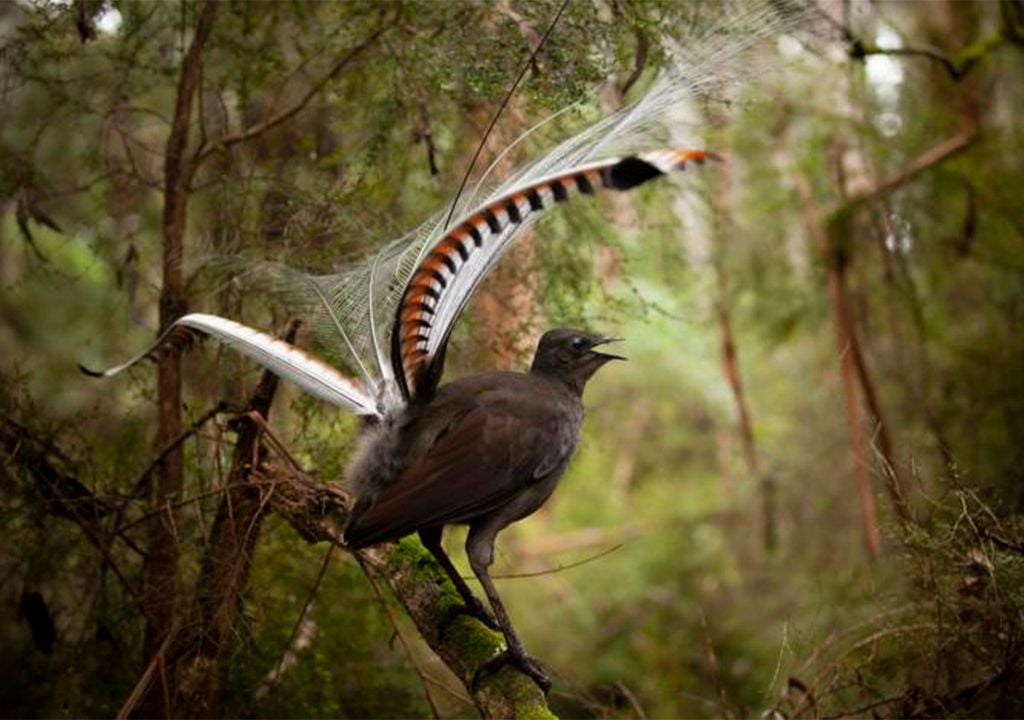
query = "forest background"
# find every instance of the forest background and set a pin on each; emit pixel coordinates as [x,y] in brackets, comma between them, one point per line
[803,496]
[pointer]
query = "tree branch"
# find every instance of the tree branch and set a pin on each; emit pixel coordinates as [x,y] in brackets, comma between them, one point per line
[64,495]
[956,66]
[858,51]
[828,236]
[226,141]
[851,403]
[640,62]
[941,152]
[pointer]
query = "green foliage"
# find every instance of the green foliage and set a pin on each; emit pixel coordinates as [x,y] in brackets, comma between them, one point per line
[347,666]
[691,615]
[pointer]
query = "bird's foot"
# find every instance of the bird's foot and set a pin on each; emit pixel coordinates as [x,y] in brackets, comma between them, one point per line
[518,659]
[473,608]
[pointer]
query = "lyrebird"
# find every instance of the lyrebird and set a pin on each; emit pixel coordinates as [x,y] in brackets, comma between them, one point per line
[488,449]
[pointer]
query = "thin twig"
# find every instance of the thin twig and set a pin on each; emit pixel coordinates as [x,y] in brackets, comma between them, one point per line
[89,526]
[859,712]
[955,69]
[138,485]
[1003,542]
[778,661]
[870,639]
[445,688]
[642,46]
[634,703]
[401,638]
[276,674]
[501,108]
[924,161]
[274,440]
[558,569]
[144,680]
[714,667]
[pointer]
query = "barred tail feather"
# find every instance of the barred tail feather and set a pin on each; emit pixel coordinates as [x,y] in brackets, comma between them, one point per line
[448,273]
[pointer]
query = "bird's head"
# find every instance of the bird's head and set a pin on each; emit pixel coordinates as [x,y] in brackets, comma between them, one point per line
[569,355]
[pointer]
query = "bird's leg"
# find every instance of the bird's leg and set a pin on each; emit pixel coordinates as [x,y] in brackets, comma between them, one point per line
[431,539]
[480,548]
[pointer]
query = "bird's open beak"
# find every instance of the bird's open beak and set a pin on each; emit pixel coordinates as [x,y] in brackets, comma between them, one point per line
[605,357]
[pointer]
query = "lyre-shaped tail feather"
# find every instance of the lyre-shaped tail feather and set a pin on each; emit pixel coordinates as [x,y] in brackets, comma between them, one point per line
[283,359]
[446,276]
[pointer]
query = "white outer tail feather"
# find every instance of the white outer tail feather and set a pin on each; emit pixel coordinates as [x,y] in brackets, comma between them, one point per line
[283,359]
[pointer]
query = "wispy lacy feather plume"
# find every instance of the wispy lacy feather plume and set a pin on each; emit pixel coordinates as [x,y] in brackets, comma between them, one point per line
[389,319]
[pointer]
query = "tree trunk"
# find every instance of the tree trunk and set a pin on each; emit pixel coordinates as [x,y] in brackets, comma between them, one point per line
[836,290]
[160,571]
[204,650]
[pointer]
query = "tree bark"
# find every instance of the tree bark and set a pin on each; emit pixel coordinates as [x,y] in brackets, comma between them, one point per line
[731,368]
[851,401]
[890,468]
[203,650]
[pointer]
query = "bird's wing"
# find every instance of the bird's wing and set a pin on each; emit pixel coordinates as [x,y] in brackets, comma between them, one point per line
[284,359]
[485,460]
[447,273]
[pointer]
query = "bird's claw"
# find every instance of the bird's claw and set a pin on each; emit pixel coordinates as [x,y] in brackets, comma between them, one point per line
[473,608]
[520,660]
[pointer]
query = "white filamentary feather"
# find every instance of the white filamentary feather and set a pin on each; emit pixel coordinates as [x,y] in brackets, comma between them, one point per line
[708,62]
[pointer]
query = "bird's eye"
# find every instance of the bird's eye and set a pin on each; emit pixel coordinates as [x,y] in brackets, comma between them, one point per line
[578,343]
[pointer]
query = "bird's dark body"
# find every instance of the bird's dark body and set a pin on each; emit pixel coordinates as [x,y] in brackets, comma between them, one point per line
[485,451]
